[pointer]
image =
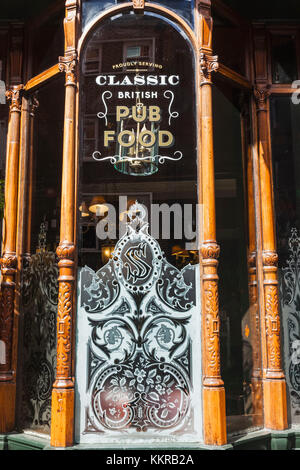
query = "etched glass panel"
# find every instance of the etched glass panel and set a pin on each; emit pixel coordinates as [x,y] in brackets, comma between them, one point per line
[138,318]
[285,119]
[139,332]
[39,276]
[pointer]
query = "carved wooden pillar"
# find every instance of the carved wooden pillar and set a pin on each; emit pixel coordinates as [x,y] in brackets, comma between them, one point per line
[62,419]
[214,413]
[9,264]
[274,385]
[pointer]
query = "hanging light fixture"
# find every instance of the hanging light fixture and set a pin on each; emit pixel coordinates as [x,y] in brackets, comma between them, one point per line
[98,206]
[139,156]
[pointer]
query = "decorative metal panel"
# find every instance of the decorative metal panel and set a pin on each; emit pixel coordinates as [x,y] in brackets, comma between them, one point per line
[39,307]
[138,344]
[290,307]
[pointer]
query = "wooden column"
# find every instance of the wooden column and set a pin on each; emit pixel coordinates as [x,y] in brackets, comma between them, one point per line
[256,379]
[214,413]
[62,419]
[9,264]
[23,228]
[274,385]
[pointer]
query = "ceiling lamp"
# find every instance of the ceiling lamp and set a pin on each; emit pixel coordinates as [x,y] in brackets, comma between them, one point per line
[140,158]
[98,206]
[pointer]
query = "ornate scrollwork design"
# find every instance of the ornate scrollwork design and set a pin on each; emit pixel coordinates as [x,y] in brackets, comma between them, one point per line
[39,296]
[212,326]
[68,64]
[8,263]
[270,258]
[65,250]
[64,324]
[273,327]
[139,309]
[208,63]
[210,250]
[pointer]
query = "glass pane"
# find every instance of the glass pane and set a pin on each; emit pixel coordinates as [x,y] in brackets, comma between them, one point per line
[284,59]
[240,353]
[91,8]
[138,307]
[39,282]
[285,120]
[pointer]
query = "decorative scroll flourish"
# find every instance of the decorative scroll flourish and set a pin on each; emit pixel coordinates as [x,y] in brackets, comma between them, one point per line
[291,272]
[103,115]
[115,158]
[139,357]
[272,320]
[172,114]
[210,252]
[65,305]
[289,282]
[39,295]
[8,268]
[273,327]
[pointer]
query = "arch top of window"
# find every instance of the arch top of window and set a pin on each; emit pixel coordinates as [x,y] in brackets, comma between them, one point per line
[153,9]
[91,9]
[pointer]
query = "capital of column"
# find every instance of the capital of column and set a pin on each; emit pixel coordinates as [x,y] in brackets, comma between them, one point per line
[207,63]
[261,95]
[14,95]
[68,64]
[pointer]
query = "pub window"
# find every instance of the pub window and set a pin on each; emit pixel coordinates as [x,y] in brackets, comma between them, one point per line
[239,331]
[138,323]
[285,120]
[39,284]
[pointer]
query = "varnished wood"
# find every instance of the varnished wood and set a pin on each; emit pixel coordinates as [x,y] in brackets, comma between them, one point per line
[9,262]
[254,320]
[214,410]
[23,227]
[62,415]
[41,78]
[275,411]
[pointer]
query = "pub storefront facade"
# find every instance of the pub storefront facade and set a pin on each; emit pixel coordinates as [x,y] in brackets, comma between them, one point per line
[150,239]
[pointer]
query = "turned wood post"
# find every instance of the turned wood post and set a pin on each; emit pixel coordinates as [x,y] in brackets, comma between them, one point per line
[214,411]
[9,264]
[62,418]
[274,385]
[256,378]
